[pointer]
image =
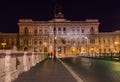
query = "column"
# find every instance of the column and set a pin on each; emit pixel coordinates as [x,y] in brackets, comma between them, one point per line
[33,59]
[7,66]
[25,61]
[37,58]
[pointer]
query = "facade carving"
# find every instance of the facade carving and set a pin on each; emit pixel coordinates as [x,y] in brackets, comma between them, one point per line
[67,37]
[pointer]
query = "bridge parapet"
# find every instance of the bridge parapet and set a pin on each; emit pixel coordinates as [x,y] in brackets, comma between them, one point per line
[12,63]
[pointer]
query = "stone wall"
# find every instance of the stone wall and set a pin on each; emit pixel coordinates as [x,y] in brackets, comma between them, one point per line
[12,63]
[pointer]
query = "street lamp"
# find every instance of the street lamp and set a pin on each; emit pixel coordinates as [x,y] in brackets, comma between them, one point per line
[87,51]
[55,45]
[54,33]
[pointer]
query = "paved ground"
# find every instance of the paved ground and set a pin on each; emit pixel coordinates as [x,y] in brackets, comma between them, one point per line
[47,71]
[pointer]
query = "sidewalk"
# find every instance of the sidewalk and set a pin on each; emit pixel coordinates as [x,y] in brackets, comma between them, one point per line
[47,71]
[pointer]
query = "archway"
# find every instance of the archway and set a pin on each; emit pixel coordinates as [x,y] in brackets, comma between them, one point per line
[35,49]
[25,49]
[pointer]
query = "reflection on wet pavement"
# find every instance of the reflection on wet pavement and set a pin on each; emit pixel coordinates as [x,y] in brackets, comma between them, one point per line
[93,70]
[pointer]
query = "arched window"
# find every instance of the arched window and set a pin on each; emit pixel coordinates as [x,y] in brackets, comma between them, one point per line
[35,49]
[25,49]
[26,31]
[40,42]
[92,30]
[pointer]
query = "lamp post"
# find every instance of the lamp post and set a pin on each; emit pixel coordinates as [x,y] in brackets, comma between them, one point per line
[54,46]
[54,33]
[87,45]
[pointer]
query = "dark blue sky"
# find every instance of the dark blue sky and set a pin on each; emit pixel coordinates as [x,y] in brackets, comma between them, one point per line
[108,12]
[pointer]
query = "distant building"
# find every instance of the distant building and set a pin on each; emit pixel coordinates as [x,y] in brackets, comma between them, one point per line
[68,37]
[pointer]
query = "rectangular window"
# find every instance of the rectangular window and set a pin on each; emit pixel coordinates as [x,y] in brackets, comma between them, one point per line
[45,31]
[35,32]
[40,31]
[73,31]
[82,30]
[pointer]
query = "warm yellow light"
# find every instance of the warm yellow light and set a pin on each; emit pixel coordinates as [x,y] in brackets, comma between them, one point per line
[3,44]
[86,37]
[92,49]
[82,49]
[73,49]
[55,38]
[45,43]
[116,43]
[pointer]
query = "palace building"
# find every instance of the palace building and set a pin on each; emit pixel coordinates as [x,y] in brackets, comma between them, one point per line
[61,37]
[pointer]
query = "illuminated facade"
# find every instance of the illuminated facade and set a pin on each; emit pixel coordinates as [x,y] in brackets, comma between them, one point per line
[71,37]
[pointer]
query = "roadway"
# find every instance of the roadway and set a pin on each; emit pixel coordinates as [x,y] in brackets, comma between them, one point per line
[94,70]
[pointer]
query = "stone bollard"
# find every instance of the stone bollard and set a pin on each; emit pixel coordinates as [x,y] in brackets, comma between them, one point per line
[7,66]
[40,57]
[25,61]
[37,56]
[33,58]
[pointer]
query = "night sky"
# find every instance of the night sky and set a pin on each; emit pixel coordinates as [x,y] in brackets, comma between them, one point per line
[107,11]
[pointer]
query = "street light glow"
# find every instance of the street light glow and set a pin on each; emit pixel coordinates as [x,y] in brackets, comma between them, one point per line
[3,44]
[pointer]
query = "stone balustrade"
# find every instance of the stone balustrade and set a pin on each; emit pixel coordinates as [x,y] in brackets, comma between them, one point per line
[12,63]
